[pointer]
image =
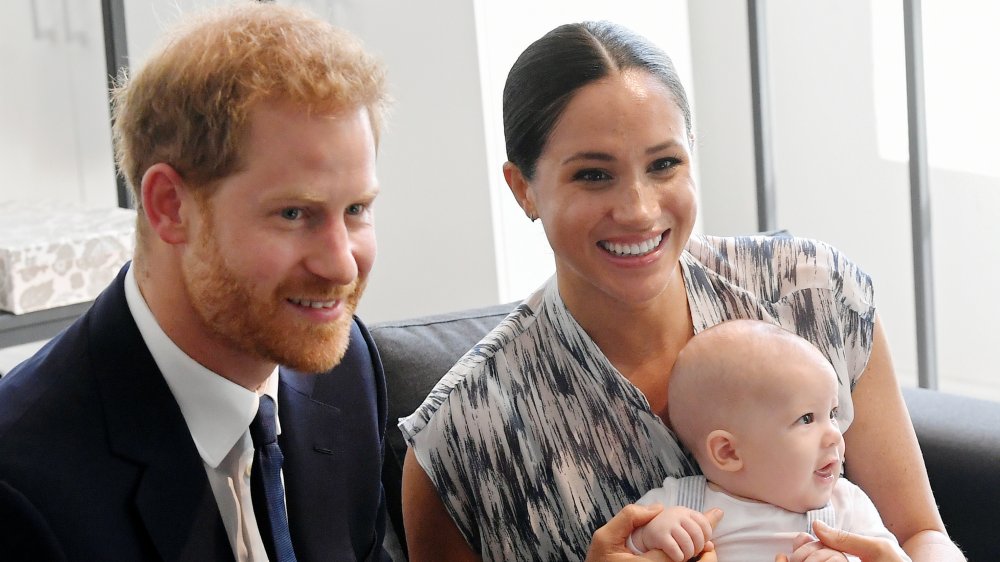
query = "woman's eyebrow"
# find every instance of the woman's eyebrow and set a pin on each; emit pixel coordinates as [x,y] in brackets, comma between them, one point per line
[602,156]
[661,146]
[605,157]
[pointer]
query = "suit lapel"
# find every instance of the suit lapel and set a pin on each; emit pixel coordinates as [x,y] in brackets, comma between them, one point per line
[331,434]
[174,500]
[310,448]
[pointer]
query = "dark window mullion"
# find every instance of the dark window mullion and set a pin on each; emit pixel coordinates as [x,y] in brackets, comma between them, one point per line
[766,219]
[116,58]
[920,212]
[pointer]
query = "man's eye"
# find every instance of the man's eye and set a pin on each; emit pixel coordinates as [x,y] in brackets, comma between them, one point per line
[291,213]
[356,209]
[807,418]
[591,175]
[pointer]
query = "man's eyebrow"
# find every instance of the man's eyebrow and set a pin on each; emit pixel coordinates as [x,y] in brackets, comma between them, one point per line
[294,197]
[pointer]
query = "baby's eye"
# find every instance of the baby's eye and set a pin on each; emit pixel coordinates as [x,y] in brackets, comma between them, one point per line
[807,418]
[591,174]
[833,413]
[291,213]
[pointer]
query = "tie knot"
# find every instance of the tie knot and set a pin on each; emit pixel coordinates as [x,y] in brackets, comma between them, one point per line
[262,428]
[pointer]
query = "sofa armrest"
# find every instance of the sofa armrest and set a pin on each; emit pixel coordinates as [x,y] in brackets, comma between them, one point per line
[960,441]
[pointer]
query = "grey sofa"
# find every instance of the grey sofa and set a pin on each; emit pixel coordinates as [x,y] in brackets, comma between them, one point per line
[959,436]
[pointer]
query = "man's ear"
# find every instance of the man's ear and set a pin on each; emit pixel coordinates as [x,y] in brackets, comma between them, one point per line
[723,451]
[521,189]
[164,193]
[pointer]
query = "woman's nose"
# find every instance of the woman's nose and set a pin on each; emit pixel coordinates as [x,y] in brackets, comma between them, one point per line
[639,204]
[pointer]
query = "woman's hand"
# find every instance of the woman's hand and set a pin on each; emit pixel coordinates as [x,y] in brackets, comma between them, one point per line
[868,549]
[609,542]
[833,544]
[805,548]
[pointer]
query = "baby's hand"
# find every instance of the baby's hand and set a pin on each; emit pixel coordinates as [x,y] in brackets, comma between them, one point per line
[679,532]
[808,549]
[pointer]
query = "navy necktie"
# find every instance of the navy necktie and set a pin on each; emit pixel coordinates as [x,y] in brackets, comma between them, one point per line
[265,484]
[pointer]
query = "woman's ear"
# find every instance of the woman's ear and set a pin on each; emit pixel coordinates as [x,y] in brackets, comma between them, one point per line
[521,189]
[723,451]
[163,195]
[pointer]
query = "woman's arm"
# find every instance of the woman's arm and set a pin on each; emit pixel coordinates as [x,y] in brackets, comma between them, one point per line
[431,534]
[884,459]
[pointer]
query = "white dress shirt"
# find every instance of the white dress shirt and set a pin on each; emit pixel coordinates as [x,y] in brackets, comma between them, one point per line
[218,413]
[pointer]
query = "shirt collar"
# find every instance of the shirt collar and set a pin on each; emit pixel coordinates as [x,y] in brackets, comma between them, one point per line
[217,411]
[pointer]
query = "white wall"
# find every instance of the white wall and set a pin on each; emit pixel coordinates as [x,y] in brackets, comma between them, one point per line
[724,121]
[145,21]
[55,143]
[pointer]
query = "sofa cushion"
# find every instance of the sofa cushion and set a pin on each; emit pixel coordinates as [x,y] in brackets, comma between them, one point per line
[415,355]
[960,441]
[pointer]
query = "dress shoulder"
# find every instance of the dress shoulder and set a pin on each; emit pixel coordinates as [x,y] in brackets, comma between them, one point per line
[773,267]
[805,286]
[472,364]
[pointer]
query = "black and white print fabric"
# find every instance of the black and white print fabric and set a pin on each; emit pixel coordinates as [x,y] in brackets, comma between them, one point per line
[534,440]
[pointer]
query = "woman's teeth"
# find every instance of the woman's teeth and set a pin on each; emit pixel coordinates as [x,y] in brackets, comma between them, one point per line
[639,249]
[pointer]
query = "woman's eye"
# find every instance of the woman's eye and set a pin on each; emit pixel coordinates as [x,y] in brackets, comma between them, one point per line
[663,164]
[807,418]
[591,175]
[291,213]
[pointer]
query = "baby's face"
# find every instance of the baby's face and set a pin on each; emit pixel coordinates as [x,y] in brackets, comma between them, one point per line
[791,442]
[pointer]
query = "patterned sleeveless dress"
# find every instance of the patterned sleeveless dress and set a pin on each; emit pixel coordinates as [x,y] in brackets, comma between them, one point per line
[534,440]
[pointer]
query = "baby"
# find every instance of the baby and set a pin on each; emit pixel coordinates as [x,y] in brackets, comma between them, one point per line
[757,407]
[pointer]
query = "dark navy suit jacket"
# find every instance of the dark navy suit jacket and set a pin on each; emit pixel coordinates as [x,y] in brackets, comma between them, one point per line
[96,461]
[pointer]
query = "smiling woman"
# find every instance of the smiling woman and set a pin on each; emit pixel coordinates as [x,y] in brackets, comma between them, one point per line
[615,172]
[533,446]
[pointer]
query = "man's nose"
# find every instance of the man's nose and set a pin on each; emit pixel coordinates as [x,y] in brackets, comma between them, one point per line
[331,255]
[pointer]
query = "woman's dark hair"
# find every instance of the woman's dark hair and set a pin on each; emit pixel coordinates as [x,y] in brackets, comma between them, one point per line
[549,72]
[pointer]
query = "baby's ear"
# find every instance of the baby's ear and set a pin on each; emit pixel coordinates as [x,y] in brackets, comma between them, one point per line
[722,450]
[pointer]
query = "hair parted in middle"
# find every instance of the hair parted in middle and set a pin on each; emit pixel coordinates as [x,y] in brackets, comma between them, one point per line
[545,77]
